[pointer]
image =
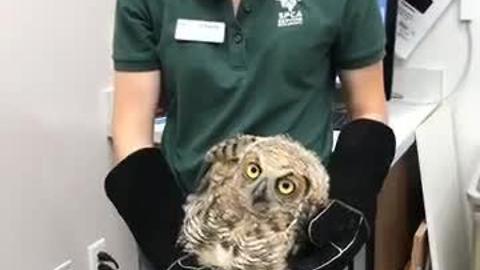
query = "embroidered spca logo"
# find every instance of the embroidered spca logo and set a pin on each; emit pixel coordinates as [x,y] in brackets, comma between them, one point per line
[291,16]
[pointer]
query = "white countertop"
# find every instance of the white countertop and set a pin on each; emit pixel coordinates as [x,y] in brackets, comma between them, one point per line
[404,120]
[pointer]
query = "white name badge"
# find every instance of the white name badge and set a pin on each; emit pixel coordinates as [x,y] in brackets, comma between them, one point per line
[200,31]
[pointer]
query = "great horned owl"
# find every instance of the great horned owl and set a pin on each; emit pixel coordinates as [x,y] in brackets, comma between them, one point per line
[253,202]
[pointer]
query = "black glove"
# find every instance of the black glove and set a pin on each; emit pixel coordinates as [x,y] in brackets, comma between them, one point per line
[357,168]
[143,190]
[186,262]
[360,163]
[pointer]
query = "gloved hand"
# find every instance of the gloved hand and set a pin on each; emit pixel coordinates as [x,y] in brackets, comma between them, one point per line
[148,199]
[341,229]
[357,168]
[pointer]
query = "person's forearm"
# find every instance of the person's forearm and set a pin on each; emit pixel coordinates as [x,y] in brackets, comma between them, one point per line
[129,136]
[364,92]
[380,115]
[135,100]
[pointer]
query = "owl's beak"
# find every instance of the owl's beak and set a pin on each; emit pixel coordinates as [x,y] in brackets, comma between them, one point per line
[259,193]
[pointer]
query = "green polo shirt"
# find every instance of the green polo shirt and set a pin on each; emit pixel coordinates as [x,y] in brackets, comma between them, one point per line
[273,73]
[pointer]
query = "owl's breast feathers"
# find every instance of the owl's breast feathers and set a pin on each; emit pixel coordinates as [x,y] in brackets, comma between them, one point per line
[223,234]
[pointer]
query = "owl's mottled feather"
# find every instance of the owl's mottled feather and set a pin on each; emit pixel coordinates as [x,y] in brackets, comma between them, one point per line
[252,204]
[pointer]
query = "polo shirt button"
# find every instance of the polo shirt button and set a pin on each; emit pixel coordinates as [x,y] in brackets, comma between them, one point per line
[238,37]
[247,8]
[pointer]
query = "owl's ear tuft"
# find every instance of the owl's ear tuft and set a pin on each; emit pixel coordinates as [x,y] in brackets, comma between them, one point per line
[230,149]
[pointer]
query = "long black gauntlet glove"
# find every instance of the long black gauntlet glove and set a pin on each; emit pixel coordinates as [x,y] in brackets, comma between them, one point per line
[357,168]
[146,196]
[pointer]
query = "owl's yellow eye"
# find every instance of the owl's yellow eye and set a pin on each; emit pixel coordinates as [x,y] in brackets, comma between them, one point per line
[285,187]
[253,171]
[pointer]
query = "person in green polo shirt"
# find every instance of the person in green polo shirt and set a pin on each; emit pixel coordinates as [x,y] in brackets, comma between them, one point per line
[228,67]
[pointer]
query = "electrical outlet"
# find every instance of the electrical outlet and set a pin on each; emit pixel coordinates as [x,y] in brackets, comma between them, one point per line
[93,250]
[65,266]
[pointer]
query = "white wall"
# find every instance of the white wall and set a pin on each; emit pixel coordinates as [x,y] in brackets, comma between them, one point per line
[54,60]
[445,48]
[467,116]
